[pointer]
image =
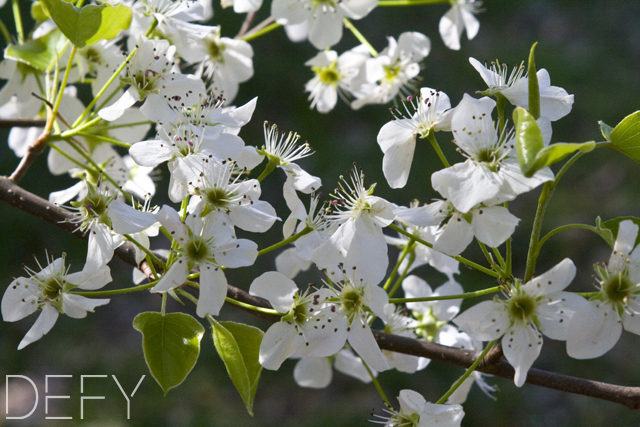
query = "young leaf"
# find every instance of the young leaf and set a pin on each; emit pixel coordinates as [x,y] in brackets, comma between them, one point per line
[528,139]
[614,224]
[604,232]
[41,53]
[605,129]
[556,152]
[626,136]
[534,87]
[91,23]
[171,345]
[239,346]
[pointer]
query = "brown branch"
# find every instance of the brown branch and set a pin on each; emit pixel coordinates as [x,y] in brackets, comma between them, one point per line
[246,24]
[494,363]
[258,27]
[22,123]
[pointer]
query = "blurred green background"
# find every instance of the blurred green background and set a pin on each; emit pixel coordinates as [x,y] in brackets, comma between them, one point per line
[591,48]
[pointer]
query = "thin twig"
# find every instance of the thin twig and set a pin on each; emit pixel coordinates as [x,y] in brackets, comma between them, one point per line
[493,364]
[22,123]
[258,27]
[248,20]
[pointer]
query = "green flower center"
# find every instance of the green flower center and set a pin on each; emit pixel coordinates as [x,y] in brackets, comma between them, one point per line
[329,76]
[215,49]
[490,158]
[522,307]
[391,72]
[216,197]
[351,300]
[51,287]
[617,288]
[196,249]
[429,325]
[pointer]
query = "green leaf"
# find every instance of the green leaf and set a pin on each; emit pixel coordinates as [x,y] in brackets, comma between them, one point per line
[604,232]
[38,13]
[41,53]
[605,129]
[534,88]
[614,224]
[528,139]
[171,345]
[91,23]
[626,136]
[239,347]
[556,152]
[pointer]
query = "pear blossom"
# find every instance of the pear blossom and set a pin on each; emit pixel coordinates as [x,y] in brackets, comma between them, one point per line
[491,174]
[457,19]
[537,307]
[596,327]
[22,80]
[415,411]
[325,19]
[333,76]
[393,71]
[48,290]
[358,241]
[488,223]
[316,372]
[397,139]
[208,243]
[308,327]
[219,193]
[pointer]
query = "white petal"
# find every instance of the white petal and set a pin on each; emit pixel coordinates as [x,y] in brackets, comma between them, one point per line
[415,287]
[170,220]
[290,264]
[555,316]
[256,217]
[277,345]
[625,242]
[213,290]
[101,247]
[396,163]
[447,309]
[554,280]
[116,109]
[593,331]
[18,301]
[313,372]
[325,28]
[357,9]
[450,28]
[443,415]
[173,278]
[424,216]
[43,325]
[350,364]
[493,225]
[485,321]
[77,306]
[127,220]
[468,184]
[411,402]
[362,341]
[275,288]
[460,395]
[455,238]
[521,346]
[471,24]
[238,253]
[151,153]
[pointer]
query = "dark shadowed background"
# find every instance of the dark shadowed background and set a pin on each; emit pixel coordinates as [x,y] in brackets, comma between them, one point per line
[591,48]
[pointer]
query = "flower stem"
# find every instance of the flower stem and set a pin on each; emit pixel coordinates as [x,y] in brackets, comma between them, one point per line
[360,37]
[253,307]
[482,292]
[105,139]
[407,249]
[498,255]
[187,295]
[255,34]
[93,294]
[559,229]
[270,167]
[457,257]
[17,17]
[409,2]
[412,258]
[5,32]
[146,251]
[501,103]
[543,201]
[376,383]
[63,84]
[285,242]
[434,143]
[164,303]
[464,376]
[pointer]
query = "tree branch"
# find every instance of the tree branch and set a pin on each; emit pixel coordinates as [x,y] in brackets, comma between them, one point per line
[494,364]
[22,123]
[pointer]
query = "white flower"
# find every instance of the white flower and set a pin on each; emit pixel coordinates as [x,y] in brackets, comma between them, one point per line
[490,224]
[597,326]
[398,324]
[538,307]
[333,76]
[397,139]
[325,18]
[358,243]
[491,173]
[316,372]
[16,100]
[220,193]
[393,71]
[458,18]
[415,411]
[555,102]
[208,243]
[308,327]
[49,290]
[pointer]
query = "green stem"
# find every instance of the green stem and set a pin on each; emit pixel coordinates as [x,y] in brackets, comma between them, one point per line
[17,17]
[409,2]
[285,242]
[93,294]
[464,376]
[164,303]
[408,248]
[270,167]
[559,229]
[112,78]
[263,31]
[76,130]
[457,257]
[68,157]
[124,125]
[486,254]
[65,78]
[498,255]
[146,251]
[5,32]
[501,103]
[376,383]
[444,297]
[509,269]
[253,307]
[105,139]
[152,267]
[587,294]
[187,295]
[396,285]
[543,202]
[360,37]
[431,136]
